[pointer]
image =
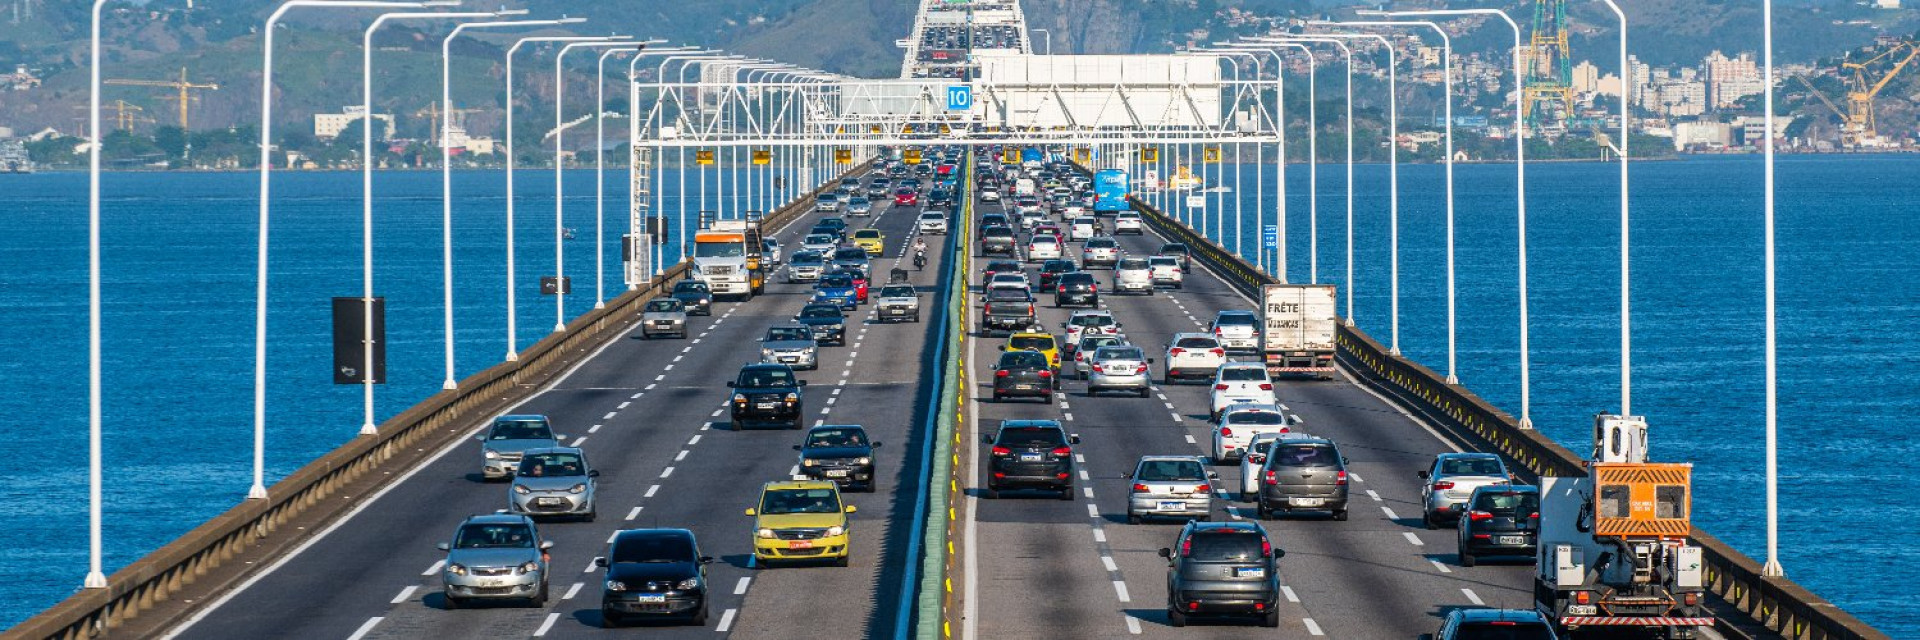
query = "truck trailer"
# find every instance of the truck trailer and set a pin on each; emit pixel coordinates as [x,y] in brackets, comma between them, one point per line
[1299,322]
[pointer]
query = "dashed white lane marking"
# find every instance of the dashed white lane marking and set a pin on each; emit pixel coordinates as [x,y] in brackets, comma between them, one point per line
[1390,514]
[623,405]
[577,441]
[610,415]
[666,472]
[694,441]
[1119,587]
[573,590]
[1099,535]
[686,350]
[794,471]
[1371,494]
[659,378]
[837,391]
[679,358]
[843,379]
[366,627]
[1413,538]
[1133,625]
[819,422]
[1064,405]
[548,625]
[716,413]
[1313,627]
[652,490]
[1079,458]
[832,400]
[847,372]
[1234,512]
[1473,597]
[590,567]
[1083,474]
[726,621]
[1107,561]
[1443,568]
[1176,417]
[1169,404]
[1088,491]
[405,594]
[1190,439]
[1093,510]
[1288,592]
[635,513]
[651,386]
[741,588]
[1356,477]
[682,456]
[669,367]
[437,565]
[852,355]
[637,395]
[826,410]
[856,345]
[593,429]
[1067,416]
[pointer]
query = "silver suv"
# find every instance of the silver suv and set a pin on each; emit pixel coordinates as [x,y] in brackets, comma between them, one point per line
[495,557]
[509,438]
[1303,472]
[554,481]
[1133,275]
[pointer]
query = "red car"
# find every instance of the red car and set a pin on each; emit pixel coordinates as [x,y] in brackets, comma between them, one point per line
[906,198]
[859,285]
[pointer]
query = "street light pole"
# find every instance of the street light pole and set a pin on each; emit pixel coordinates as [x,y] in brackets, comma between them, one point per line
[1393,170]
[1772,567]
[1626,300]
[600,178]
[559,171]
[96,577]
[1348,51]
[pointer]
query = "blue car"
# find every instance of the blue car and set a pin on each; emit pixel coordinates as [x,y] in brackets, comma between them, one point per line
[837,289]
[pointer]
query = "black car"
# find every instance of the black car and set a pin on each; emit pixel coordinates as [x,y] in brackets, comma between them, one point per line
[1007,309]
[1051,270]
[1032,454]
[1500,520]
[997,267]
[838,224]
[839,452]
[997,240]
[1024,373]
[1180,250]
[1077,287]
[823,229]
[828,323]
[1223,569]
[653,573]
[1494,624]
[767,394]
[696,295]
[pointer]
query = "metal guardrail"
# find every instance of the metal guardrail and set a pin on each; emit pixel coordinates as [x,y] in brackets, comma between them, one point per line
[1777,605]
[252,531]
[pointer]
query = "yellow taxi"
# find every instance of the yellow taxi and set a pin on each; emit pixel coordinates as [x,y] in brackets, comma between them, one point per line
[1041,342]
[872,240]
[801,520]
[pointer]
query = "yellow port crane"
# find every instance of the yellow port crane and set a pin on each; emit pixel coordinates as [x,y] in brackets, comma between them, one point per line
[182,85]
[125,114]
[1861,127]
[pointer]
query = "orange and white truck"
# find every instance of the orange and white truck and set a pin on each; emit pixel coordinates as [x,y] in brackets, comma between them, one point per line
[726,256]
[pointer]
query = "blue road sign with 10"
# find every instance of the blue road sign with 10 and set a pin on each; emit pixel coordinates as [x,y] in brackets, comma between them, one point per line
[959,97]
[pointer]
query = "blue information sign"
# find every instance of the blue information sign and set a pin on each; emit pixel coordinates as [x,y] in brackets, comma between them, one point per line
[1270,236]
[959,98]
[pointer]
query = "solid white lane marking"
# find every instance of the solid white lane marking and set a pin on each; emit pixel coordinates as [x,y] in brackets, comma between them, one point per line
[666,472]
[405,594]
[1371,494]
[726,621]
[1390,514]
[610,415]
[1108,562]
[1093,511]
[682,456]
[635,513]
[577,441]
[1288,592]
[366,627]
[1313,627]
[1443,568]
[548,625]
[437,565]
[1413,538]
[694,441]
[741,588]
[652,490]
[573,590]
[1472,597]
[1119,587]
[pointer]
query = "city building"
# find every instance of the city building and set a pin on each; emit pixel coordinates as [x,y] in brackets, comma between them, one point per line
[1730,79]
[327,126]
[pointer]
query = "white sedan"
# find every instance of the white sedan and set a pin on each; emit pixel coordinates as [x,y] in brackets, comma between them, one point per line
[1043,247]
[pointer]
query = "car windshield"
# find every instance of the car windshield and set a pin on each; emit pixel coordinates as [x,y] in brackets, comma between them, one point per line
[1057,266]
[1174,248]
[1242,318]
[1196,343]
[1132,263]
[783,501]
[1022,359]
[1243,374]
[718,250]
[818,238]
[1042,239]
[1101,243]
[998,232]
[1007,294]
[1118,353]
[1089,344]
[1267,418]
[664,305]
[521,430]
[1170,471]
[691,286]
[807,259]
[857,201]
[1502,630]
[1304,455]
[1508,502]
[1472,467]
[764,378]
[833,223]
[778,334]
[770,243]
[1092,321]
[931,215]
[851,253]
[1042,343]
[867,234]
[1086,221]
[828,197]
[1077,278]
[652,548]
[837,437]
[1032,437]
[1225,546]
[1163,262]
[897,291]
[494,536]
[836,281]
[999,266]
[552,465]
[820,311]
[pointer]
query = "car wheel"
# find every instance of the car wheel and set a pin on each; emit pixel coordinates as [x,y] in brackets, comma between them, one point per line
[843,560]
[1247,496]
[1260,511]
[609,619]
[1066,492]
[1271,620]
[1466,559]
[734,425]
[1340,515]
[796,423]
[996,397]
[538,600]
[1132,518]
[1176,618]
[452,602]
[700,619]
[1426,520]
[1144,391]
[993,493]
[592,514]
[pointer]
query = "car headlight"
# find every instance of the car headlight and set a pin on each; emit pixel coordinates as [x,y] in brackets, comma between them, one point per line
[740,398]
[578,488]
[809,462]
[616,585]
[835,530]
[529,567]
[689,583]
[792,397]
[491,454]
[456,569]
[764,533]
[863,460]
[521,489]
[766,353]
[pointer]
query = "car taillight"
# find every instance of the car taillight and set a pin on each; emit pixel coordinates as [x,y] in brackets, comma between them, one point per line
[1175,351]
[1226,432]
[1029,309]
[1266,386]
[1203,489]
[1271,478]
[1219,352]
[1046,374]
[1582,597]
[1001,373]
[1186,548]
[1442,485]
[1340,477]
[1002,451]
[1219,387]
[989,308]
[1533,516]
[1063,451]
[1255,458]
[1141,488]
[1266,547]
[1063,288]
[1479,515]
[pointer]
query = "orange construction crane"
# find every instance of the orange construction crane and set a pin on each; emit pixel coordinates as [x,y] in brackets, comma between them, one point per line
[182,85]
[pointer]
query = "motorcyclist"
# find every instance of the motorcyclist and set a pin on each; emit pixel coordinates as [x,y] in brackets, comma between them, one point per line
[919,253]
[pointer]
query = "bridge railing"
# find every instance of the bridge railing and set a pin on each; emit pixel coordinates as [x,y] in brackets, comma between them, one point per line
[1775,605]
[936,612]
[256,531]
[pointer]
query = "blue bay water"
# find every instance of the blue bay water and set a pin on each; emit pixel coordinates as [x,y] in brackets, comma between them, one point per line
[180,295]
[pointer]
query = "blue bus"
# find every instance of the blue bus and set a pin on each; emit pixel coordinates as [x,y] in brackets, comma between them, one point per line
[1110,190]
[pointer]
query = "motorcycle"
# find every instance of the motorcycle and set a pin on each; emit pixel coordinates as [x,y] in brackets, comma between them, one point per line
[919,260]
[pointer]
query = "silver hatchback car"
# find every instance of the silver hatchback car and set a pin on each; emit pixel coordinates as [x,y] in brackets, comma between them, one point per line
[554,481]
[508,439]
[495,557]
[663,317]
[1119,368]
[792,345]
[1170,487]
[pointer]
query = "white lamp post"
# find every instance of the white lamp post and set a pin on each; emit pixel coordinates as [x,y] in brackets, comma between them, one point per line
[1772,568]
[559,170]
[1348,51]
[1393,172]
[600,176]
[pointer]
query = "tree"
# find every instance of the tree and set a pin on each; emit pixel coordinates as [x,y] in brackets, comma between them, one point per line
[171,140]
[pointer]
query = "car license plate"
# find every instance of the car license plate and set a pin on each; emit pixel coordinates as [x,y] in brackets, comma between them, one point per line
[1173,505]
[1023,387]
[1306,502]
[1511,540]
[1249,572]
[764,405]
[552,502]
[1029,457]
[800,544]
[1583,609]
[652,599]
[789,359]
[836,473]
